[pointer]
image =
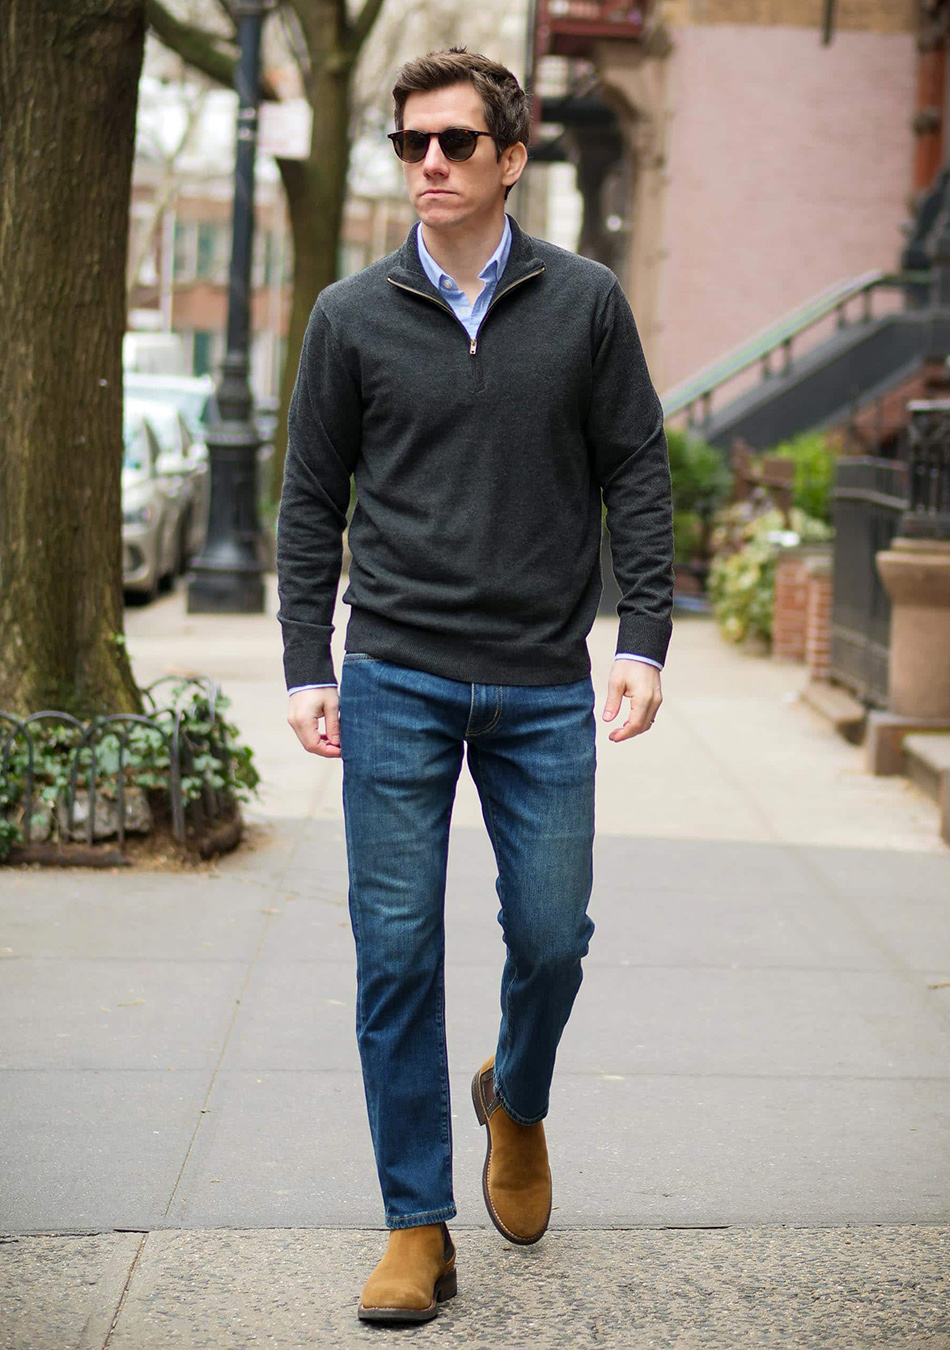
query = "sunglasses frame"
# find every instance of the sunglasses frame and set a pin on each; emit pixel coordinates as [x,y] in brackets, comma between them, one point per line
[394,135]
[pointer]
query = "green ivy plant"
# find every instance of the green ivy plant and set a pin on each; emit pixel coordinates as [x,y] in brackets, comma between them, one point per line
[741,582]
[701,481]
[813,454]
[218,760]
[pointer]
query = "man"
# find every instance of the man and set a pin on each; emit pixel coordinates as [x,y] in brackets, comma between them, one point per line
[484,388]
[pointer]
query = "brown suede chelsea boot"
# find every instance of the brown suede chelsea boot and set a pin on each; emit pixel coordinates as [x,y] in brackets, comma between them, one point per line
[516,1178]
[416,1274]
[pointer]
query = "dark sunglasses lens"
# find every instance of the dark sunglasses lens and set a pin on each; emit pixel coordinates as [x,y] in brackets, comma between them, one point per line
[458,144]
[410,146]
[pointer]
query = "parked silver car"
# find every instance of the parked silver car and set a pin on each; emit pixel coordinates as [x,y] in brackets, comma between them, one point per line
[182,464]
[150,516]
[194,397]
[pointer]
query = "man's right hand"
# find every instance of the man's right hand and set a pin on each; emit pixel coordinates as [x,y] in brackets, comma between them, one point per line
[307,707]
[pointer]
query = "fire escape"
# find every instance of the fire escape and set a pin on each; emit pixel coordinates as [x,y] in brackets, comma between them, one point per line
[573,122]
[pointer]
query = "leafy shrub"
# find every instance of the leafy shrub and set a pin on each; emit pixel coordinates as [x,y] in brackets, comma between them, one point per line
[813,454]
[741,580]
[701,481]
[215,761]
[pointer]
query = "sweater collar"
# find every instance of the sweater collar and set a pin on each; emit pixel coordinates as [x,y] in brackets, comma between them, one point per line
[523,262]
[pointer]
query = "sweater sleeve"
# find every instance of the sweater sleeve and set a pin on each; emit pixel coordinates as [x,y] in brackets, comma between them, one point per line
[323,441]
[627,444]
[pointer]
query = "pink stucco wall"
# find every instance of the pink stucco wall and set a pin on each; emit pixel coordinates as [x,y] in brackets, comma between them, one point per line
[789,170]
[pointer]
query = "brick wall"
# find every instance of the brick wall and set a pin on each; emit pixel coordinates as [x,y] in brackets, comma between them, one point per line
[801,623]
[818,618]
[791,602]
[789,169]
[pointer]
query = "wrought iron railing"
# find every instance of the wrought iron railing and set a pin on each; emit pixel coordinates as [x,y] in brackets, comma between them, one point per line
[870,499]
[928,470]
[772,348]
[570,27]
[54,767]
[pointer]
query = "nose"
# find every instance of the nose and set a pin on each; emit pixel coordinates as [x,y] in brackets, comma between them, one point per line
[435,162]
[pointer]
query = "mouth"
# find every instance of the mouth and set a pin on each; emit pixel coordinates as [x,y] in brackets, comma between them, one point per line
[437,192]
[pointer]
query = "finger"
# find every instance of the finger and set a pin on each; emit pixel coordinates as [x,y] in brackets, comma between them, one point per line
[615,691]
[640,719]
[308,733]
[333,725]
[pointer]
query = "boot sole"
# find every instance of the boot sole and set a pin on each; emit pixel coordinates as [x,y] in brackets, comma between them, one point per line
[445,1288]
[482,1113]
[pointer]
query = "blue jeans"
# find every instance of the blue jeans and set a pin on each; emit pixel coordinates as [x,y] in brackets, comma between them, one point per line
[531,754]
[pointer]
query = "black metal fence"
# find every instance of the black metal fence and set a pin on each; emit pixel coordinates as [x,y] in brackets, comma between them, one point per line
[870,497]
[928,462]
[69,781]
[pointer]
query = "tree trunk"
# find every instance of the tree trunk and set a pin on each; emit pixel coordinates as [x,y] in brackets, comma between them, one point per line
[316,191]
[69,72]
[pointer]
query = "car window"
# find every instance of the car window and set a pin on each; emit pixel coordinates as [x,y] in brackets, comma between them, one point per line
[195,405]
[134,443]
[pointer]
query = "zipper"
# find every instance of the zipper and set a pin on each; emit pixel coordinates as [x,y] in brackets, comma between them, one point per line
[473,345]
[472,342]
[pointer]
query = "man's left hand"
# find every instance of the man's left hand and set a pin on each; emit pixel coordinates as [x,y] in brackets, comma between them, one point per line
[641,684]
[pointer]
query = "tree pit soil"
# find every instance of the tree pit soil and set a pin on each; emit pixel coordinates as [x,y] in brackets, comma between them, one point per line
[157,851]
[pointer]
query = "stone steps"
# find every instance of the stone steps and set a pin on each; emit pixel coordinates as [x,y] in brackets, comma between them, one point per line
[927,763]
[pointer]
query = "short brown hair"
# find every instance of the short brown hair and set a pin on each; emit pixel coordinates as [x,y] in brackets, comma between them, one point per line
[507,112]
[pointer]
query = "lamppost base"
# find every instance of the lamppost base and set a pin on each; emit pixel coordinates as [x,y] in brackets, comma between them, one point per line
[226,592]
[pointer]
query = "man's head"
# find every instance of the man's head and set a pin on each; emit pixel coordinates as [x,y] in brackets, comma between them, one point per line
[461,89]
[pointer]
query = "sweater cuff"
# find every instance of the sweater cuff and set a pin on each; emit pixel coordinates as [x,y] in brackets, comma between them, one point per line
[307,658]
[645,635]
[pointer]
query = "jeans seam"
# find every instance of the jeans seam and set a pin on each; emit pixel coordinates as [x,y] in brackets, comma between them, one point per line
[520,1120]
[493,833]
[481,731]
[418,1220]
[446,1107]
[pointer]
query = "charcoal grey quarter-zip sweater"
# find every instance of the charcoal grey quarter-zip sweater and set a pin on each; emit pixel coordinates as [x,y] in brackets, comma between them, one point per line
[479,466]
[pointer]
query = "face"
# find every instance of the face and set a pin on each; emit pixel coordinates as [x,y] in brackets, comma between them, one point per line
[448,195]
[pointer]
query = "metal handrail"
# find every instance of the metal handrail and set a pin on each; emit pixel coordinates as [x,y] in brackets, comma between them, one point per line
[699,388]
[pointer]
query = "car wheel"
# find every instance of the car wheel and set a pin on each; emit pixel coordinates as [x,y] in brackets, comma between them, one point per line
[149,592]
[166,578]
[182,552]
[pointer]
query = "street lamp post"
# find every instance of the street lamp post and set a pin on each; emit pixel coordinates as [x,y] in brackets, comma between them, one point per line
[227,578]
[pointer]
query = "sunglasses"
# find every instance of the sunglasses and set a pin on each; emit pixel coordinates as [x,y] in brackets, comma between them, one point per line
[456,143]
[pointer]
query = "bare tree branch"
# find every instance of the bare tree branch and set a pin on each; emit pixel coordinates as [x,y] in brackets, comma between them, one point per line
[362,26]
[195,46]
[198,48]
[228,13]
[296,42]
[167,187]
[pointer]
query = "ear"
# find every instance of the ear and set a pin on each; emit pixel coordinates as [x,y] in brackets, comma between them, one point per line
[513,160]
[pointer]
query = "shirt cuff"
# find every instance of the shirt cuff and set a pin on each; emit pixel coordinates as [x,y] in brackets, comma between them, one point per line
[297,687]
[632,656]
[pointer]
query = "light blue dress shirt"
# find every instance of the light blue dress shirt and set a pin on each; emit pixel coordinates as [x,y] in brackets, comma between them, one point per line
[471,318]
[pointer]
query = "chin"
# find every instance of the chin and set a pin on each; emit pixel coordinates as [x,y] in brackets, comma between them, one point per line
[438,210]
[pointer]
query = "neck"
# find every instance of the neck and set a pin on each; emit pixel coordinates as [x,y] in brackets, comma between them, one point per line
[464,251]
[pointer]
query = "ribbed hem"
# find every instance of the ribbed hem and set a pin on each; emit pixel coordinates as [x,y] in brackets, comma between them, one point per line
[455,658]
[646,636]
[307,658]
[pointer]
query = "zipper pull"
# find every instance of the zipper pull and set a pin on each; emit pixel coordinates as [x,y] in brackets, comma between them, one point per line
[473,346]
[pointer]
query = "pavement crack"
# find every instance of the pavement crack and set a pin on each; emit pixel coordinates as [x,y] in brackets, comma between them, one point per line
[125,1291]
[276,888]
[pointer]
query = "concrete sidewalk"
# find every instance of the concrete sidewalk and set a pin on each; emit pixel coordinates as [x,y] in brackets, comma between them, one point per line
[749,1129]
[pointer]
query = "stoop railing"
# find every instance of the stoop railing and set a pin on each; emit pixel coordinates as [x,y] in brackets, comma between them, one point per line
[870,497]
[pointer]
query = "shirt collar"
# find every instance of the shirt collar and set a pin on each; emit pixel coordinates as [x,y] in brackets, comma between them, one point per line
[489,273]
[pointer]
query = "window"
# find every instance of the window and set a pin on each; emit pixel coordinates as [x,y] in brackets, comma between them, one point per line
[207,239]
[184,263]
[201,353]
